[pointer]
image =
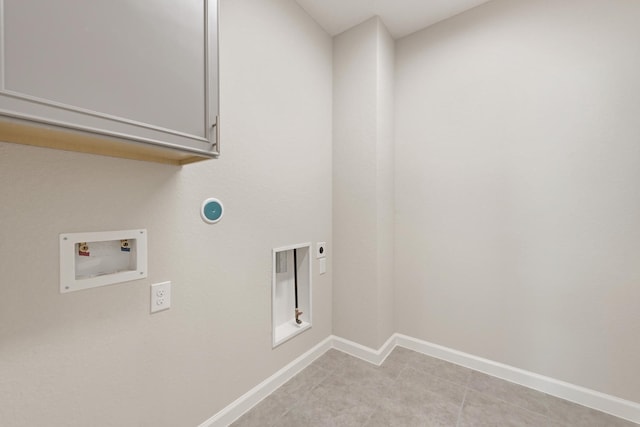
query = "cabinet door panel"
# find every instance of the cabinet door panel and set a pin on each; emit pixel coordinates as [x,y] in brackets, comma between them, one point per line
[127,60]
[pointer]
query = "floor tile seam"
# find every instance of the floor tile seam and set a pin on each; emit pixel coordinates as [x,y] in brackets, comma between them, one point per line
[444,397]
[546,416]
[396,377]
[281,416]
[518,385]
[464,385]
[315,386]
[468,387]
[464,398]
[549,414]
[259,403]
[373,412]
[290,408]
[467,379]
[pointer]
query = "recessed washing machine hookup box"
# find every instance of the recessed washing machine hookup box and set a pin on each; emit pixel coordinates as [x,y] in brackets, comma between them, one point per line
[291,292]
[89,260]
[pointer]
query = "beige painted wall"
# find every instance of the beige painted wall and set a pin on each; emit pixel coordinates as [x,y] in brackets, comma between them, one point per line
[363,184]
[385,66]
[516,229]
[97,357]
[518,188]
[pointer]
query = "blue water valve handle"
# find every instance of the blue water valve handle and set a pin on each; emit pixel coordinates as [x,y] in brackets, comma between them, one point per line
[212,210]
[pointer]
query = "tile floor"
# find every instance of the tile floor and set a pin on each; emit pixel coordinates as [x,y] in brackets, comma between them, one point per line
[411,389]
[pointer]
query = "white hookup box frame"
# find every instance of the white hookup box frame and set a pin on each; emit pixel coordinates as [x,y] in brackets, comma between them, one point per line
[283,300]
[89,260]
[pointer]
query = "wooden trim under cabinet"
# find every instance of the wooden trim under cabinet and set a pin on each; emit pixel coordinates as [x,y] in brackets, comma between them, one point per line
[69,140]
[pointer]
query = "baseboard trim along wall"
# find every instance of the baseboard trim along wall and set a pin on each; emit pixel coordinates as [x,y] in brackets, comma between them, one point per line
[600,401]
[583,396]
[365,353]
[254,396]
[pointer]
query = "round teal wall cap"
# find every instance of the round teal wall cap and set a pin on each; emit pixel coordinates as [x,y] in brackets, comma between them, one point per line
[211,210]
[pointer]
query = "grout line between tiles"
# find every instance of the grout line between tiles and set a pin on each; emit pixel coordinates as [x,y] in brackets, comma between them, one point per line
[492,396]
[466,390]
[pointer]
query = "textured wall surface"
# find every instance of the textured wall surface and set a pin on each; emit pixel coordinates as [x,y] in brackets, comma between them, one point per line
[518,188]
[97,357]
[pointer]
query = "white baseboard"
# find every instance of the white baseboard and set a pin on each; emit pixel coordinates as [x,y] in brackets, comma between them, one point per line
[583,396]
[365,353]
[602,402]
[254,396]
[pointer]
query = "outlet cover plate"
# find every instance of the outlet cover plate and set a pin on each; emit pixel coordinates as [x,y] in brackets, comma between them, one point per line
[160,296]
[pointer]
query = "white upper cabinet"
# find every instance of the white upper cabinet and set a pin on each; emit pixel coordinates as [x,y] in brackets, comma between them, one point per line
[143,71]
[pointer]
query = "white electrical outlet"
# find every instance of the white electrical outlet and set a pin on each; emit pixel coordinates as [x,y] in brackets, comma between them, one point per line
[321,249]
[160,296]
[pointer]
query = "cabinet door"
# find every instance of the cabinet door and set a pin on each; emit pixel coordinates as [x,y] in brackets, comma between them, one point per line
[139,70]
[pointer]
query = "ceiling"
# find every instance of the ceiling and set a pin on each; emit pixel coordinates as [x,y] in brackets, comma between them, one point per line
[401,17]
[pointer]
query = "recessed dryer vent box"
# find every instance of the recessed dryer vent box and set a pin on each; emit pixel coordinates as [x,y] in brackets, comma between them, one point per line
[288,263]
[89,260]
